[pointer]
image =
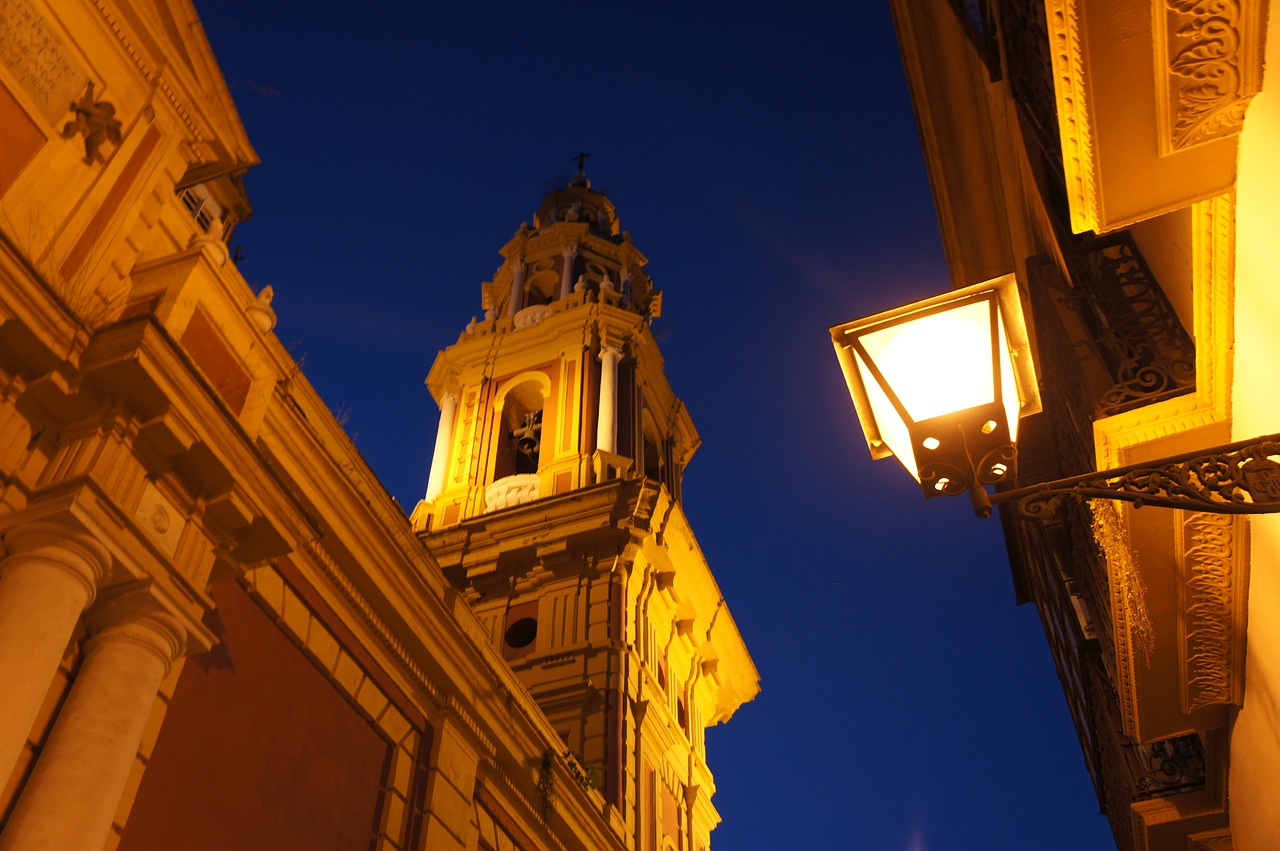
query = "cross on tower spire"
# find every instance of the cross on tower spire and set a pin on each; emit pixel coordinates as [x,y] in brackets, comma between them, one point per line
[581,160]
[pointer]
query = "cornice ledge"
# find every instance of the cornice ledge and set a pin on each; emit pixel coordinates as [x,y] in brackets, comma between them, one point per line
[1075,130]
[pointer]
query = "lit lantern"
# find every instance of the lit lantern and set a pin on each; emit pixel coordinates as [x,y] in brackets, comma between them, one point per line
[941,384]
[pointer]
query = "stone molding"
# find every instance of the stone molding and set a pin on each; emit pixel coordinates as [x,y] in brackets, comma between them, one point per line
[1074,128]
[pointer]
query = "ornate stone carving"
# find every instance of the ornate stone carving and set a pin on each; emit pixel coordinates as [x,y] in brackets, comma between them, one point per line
[1207,612]
[38,58]
[96,121]
[511,491]
[532,315]
[160,520]
[1132,634]
[1213,69]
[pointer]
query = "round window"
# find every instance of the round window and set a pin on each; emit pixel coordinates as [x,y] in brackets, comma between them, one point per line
[522,632]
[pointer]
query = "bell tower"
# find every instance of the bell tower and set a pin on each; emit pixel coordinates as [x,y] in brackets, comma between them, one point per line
[553,506]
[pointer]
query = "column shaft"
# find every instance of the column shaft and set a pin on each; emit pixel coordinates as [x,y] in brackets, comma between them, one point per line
[72,795]
[607,422]
[47,581]
[444,440]
[566,271]
[517,289]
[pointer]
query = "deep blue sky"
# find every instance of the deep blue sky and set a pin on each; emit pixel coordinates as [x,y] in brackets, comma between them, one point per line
[765,158]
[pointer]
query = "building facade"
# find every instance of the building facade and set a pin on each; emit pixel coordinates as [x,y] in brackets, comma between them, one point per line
[1118,157]
[217,630]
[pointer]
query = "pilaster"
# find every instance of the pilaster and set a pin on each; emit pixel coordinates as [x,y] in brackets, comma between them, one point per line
[448,822]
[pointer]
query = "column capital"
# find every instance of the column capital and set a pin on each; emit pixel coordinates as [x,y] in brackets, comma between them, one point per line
[136,617]
[607,351]
[147,612]
[570,250]
[58,546]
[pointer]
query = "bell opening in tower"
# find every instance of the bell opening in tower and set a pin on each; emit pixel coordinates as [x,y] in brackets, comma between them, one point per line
[527,439]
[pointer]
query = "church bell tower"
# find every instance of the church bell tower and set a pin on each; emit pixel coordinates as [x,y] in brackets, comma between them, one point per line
[553,506]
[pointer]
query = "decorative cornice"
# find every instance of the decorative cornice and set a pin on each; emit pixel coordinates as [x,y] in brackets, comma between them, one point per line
[404,659]
[1074,129]
[1209,649]
[152,77]
[1212,69]
[1128,607]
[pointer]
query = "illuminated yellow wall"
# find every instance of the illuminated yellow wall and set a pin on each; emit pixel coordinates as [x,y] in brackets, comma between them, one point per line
[1255,744]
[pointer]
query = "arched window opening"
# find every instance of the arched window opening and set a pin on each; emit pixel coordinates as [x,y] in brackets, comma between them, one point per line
[652,458]
[519,438]
[543,280]
[527,439]
[655,452]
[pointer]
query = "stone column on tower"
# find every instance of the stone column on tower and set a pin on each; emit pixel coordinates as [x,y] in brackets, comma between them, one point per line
[444,439]
[607,422]
[517,288]
[566,271]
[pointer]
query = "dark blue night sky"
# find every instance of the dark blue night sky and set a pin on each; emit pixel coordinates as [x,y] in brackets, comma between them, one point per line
[765,158]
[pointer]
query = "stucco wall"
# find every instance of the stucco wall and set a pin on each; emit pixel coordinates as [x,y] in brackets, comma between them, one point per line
[1255,745]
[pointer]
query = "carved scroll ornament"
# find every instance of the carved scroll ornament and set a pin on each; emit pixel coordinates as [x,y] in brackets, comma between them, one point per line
[1214,68]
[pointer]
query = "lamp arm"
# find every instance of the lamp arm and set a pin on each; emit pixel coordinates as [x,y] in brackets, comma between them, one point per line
[1237,478]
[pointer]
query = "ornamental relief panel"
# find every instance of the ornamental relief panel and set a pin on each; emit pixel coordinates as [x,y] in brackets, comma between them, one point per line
[1212,593]
[38,58]
[1212,55]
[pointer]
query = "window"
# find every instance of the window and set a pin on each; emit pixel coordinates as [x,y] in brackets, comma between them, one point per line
[201,206]
[519,426]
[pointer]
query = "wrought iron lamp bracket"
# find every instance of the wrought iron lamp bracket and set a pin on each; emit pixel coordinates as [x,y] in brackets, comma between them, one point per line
[1237,478]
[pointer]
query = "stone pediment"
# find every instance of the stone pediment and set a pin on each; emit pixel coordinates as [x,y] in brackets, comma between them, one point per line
[169,47]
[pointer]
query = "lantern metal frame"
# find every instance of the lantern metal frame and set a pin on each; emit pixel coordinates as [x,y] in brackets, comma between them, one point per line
[955,451]
[1235,478]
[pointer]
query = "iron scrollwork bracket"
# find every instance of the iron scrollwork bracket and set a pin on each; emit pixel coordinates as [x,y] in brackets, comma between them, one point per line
[1238,478]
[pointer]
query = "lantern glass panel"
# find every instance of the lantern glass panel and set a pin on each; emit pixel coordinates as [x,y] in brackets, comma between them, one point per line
[893,431]
[937,363]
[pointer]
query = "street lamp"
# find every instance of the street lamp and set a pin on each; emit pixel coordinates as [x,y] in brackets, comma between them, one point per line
[942,383]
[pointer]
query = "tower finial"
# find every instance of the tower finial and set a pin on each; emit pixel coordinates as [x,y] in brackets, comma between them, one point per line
[581,179]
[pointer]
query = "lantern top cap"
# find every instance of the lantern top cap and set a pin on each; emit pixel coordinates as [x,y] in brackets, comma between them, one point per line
[1003,289]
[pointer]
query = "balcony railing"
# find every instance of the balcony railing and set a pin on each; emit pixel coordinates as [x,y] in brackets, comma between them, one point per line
[1131,343]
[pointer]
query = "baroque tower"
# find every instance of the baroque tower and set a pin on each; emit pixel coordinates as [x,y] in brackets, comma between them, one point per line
[553,506]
